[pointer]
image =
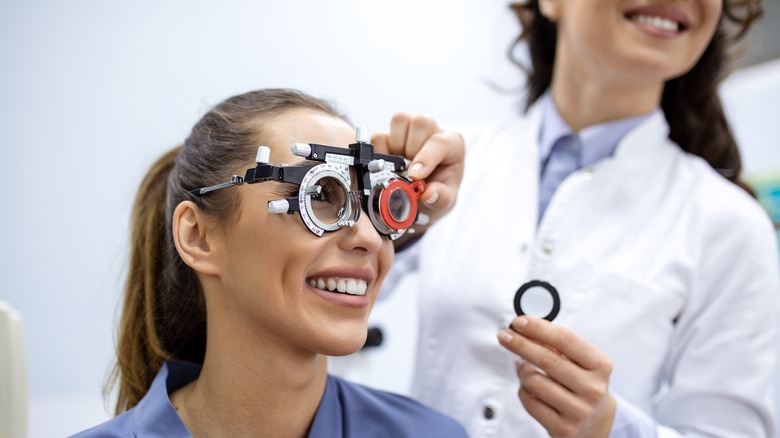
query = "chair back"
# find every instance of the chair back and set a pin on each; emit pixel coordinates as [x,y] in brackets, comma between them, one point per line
[13,374]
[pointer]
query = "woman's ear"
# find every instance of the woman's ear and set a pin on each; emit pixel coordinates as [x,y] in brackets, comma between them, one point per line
[192,235]
[551,9]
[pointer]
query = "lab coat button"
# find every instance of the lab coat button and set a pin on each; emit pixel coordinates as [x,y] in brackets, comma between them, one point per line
[489,412]
[587,173]
[547,247]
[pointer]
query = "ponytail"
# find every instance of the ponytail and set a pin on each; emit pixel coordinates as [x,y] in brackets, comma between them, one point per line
[139,351]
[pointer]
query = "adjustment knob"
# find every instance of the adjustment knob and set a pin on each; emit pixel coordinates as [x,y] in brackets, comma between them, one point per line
[361,134]
[375,166]
[301,149]
[263,154]
[278,206]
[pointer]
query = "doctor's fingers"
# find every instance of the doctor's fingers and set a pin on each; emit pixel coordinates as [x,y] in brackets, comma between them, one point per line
[408,134]
[590,385]
[564,340]
[394,142]
[440,163]
[560,411]
[439,160]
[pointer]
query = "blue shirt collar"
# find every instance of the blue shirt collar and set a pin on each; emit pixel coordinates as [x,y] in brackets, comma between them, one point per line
[346,409]
[155,416]
[597,141]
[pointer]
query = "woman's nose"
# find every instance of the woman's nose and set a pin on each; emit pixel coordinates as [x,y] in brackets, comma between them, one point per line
[361,236]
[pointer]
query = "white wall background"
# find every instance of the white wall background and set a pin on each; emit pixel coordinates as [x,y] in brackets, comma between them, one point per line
[91,92]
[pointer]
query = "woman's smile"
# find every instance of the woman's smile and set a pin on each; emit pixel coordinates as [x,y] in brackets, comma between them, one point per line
[661,20]
[344,285]
[351,286]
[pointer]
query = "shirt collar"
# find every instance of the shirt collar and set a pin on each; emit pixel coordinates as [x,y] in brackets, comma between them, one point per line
[329,419]
[597,141]
[155,416]
[553,127]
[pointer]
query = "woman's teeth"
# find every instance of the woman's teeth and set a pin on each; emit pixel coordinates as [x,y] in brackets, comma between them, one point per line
[661,23]
[350,286]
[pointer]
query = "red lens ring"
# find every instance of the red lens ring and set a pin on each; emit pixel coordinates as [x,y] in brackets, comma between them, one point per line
[413,191]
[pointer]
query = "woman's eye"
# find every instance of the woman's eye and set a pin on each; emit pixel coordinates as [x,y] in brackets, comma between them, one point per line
[323,196]
[328,192]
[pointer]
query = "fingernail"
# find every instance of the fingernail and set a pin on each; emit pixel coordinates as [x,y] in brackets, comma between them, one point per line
[520,323]
[415,170]
[519,362]
[432,200]
[506,337]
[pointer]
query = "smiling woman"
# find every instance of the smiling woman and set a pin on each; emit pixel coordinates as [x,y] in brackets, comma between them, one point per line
[230,308]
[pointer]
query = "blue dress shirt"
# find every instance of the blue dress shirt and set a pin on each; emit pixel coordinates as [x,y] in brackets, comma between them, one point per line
[346,410]
[563,151]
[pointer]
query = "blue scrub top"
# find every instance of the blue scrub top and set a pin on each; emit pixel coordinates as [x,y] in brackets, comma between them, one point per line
[346,410]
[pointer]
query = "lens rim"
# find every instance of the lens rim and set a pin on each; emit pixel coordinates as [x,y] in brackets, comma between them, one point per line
[390,187]
[338,172]
[556,307]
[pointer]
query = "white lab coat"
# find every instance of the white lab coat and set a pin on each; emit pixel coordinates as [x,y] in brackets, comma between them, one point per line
[660,262]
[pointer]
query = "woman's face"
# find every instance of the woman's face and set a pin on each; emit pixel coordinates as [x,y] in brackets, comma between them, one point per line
[655,39]
[279,277]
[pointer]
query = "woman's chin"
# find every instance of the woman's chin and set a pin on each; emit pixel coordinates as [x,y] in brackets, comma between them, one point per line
[344,345]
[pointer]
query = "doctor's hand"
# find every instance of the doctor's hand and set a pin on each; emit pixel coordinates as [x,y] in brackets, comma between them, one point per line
[436,157]
[563,378]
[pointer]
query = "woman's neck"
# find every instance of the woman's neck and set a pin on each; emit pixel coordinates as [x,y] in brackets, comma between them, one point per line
[586,97]
[239,394]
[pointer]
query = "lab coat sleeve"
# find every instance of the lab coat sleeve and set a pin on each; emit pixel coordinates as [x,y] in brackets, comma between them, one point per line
[631,422]
[720,369]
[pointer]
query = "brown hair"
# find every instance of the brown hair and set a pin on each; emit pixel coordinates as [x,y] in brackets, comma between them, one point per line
[690,102]
[163,314]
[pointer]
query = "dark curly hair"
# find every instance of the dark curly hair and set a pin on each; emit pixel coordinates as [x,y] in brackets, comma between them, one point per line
[690,102]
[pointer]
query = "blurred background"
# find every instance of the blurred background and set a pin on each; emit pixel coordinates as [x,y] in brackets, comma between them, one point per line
[92,92]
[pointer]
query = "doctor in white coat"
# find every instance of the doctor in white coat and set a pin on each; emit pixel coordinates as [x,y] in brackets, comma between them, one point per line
[619,185]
